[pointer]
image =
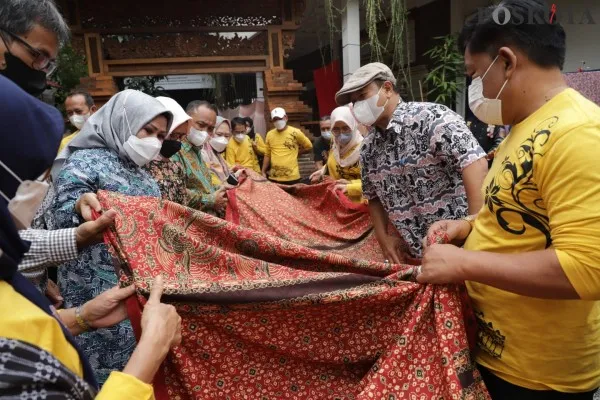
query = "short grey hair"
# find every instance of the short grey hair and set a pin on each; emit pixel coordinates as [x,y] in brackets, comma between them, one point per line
[326,118]
[193,106]
[19,17]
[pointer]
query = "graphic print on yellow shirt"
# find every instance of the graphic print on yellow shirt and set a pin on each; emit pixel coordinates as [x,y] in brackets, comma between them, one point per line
[283,148]
[543,192]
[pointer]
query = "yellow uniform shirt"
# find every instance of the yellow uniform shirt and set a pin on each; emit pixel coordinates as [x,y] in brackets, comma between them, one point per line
[66,140]
[32,325]
[351,173]
[543,191]
[283,148]
[242,154]
[261,147]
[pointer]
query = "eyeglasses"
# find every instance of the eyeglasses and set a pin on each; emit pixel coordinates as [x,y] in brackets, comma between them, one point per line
[41,61]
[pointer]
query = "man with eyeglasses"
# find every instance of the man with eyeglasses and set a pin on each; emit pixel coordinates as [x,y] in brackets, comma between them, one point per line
[201,193]
[28,49]
[31,33]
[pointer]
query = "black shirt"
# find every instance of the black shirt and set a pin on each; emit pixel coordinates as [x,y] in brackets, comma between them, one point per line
[321,149]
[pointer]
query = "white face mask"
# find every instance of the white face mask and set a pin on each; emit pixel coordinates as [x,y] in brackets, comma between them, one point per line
[219,143]
[326,135]
[142,151]
[280,124]
[239,137]
[79,120]
[197,138]
[367,112]
[486,110]
[27,200]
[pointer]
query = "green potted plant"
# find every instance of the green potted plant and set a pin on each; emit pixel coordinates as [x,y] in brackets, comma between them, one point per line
[443,81]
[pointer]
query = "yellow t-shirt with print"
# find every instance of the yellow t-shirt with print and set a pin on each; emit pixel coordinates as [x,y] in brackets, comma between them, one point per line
[351,173]
[242,154]
[33,326]
[543,191]
[283,148]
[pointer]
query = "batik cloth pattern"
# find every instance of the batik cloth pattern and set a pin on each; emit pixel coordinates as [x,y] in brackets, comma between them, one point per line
[171,179]
[266,318]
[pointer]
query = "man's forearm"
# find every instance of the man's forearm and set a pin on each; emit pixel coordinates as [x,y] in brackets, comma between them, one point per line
[533,274]
[473,177]
[266,164]
[378,217]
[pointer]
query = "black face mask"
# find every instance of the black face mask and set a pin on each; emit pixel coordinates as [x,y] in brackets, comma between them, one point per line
[170,148]
[29,79]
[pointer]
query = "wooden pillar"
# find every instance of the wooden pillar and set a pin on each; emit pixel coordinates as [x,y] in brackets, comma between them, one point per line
[280,87]
[101,87]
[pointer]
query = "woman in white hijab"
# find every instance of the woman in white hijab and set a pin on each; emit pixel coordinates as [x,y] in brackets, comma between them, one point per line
[108,154]
[214,150]
[168,172]
[343,162]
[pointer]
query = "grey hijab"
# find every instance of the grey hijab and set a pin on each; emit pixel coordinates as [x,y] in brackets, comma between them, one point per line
[124,115]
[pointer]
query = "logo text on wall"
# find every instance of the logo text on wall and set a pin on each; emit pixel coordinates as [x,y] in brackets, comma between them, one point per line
[566,16]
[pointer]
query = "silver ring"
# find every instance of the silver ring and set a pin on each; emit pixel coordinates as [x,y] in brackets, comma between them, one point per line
[387,261]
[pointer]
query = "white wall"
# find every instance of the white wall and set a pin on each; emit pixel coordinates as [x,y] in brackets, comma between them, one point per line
[583,40]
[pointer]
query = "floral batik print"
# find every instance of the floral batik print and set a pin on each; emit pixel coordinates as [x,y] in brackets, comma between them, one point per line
[264,317]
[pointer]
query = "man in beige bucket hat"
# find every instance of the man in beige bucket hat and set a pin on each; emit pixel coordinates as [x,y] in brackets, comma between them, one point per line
[421,164]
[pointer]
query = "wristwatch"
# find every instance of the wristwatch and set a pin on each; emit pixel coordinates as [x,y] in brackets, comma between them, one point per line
[470,219]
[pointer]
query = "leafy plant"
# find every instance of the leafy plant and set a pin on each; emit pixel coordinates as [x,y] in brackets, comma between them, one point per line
[443,79]
[146,84]
[71,68]
[393,46]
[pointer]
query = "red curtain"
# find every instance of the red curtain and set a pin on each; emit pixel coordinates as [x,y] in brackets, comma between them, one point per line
[328,80]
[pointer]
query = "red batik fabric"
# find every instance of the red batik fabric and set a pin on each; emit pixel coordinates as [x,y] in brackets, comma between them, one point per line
[267,318]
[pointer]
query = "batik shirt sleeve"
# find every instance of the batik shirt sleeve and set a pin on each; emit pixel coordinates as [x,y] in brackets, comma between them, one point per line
[368,188]
[452,140]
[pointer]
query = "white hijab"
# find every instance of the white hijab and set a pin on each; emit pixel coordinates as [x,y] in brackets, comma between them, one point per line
[351,151]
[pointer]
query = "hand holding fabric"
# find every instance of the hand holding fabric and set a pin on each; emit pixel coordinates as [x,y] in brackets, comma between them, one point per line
[391,247]
[107,309]
[92,232]
[342,187]
[455,230]
[87,203]
[220,200]
[443,263]
[317,176]
[53,294]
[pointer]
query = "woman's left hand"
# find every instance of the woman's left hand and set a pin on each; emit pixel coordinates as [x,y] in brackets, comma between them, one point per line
[108,308]
[341,187]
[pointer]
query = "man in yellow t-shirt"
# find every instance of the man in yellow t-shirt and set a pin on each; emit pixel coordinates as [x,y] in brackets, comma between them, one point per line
[79,106]
[283,145]
[531,258]
[240,150]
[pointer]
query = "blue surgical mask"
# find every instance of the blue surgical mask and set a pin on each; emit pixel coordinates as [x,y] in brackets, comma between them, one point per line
[326,135]
[344,138]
